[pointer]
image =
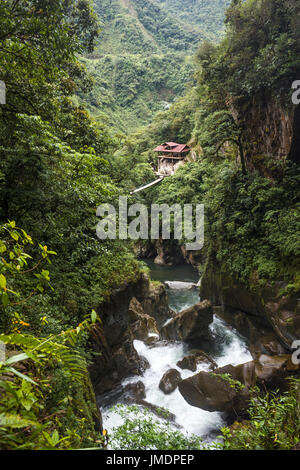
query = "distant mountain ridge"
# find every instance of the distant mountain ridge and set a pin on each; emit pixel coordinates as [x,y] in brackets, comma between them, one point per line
[143,60]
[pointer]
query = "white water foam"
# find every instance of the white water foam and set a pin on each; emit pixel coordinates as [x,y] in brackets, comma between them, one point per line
[164,357]
[231,349]
[234,350]
[161,359]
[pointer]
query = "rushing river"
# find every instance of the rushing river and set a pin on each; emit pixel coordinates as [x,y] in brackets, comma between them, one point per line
[227,347]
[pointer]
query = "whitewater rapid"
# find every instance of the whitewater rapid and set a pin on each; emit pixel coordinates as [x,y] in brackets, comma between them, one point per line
[162,356]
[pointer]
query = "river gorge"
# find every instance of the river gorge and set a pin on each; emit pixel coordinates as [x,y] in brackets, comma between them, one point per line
[224,346]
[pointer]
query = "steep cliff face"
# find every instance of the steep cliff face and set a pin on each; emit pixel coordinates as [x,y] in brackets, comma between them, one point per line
[132,312]
[267,317]
[294,154]
[269,127]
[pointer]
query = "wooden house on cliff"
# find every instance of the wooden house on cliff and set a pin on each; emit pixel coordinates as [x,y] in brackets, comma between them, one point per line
[171,156]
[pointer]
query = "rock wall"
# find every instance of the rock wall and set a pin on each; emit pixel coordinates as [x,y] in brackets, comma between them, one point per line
[131,313]
[168,253]
[269,127]
[227,389]
[260,311]
[190,325]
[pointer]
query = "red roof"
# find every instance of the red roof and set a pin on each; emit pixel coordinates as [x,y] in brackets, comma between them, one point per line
[160,148]
[172,147]
[172,144]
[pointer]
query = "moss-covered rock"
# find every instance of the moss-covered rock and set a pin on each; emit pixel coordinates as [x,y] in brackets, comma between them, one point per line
[276,310]
[191,324]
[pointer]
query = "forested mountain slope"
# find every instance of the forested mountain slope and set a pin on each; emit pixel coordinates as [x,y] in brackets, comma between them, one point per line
[143,59]
[71,305]
[206,16]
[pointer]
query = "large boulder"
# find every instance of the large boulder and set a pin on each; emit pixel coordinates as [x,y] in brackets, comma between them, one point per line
[170,381]
[212,392]
[144,364]
[272,370]
[156,304]
[141,324]
[191,361]
[191,324]
[135,392]
[125,360]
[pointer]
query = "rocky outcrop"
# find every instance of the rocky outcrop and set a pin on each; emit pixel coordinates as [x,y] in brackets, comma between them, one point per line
[164,252]
[275,312]
[142,326]
[211,392]
[268,126]
[155,303]
[272,370]
[133,393]
[294,154]
[189,325]
[168,253]
[191,361]
[169,381]
[214,392]
[129,314]
[195,258]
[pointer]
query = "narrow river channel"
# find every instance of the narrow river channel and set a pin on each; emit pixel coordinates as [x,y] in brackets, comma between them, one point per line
[226,347]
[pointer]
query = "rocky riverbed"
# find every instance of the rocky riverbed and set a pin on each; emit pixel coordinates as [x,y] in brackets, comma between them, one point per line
[169,348]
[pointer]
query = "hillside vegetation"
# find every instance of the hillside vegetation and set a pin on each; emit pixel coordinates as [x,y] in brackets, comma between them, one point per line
[143,59]
[266,219]
[58,164]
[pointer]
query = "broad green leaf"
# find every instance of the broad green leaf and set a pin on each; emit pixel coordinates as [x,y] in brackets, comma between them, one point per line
[16,358]
[22,376]
[5,299]
[2,281]
[15,421]
[15,236]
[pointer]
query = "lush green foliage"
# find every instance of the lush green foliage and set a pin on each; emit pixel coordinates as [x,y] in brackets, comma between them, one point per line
[252,221]
[257,53]
[206,16]
[38,42]
[53,175]
[133,163]
[142,62]
[249,75]
[274,422]
[29,371]
[141,431]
